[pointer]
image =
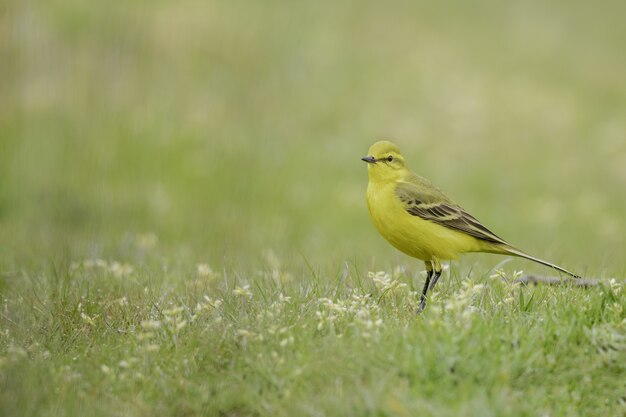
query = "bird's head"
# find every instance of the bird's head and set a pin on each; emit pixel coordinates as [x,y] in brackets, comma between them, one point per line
[384,162]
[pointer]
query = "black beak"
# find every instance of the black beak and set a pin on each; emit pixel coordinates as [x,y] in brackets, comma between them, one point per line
[369,159]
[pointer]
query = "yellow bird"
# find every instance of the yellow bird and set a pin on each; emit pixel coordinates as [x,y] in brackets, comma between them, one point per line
[420,220]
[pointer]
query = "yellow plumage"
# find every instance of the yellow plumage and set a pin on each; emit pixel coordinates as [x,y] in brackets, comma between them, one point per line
[420,220]
[413,235]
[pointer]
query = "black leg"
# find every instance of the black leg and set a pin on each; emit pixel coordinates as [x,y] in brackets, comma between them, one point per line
[437,268]
[436,276]
[429,273]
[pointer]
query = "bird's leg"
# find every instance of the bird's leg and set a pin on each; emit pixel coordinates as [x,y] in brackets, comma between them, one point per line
[429,273]
[437,267]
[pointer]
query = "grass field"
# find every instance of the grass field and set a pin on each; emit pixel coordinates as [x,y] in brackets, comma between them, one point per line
[183,228]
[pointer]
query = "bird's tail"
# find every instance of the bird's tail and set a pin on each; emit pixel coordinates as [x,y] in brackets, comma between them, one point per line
[516,252]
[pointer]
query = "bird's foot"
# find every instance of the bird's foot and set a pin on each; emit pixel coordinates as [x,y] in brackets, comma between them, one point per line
[422,305]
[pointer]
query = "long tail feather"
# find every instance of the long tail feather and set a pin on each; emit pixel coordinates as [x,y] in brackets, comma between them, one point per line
[521,254]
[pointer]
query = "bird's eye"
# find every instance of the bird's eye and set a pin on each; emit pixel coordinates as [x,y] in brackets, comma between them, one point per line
[390,158]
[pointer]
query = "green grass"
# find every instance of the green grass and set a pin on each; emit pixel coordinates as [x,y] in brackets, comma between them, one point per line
[139,141]
[92,339]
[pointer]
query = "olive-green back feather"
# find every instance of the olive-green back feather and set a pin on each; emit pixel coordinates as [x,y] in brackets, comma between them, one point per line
[422,199]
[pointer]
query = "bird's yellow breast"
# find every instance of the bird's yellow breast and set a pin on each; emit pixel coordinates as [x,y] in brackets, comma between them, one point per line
[410,234]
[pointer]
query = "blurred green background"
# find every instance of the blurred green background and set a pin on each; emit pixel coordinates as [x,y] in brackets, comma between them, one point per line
[231,131]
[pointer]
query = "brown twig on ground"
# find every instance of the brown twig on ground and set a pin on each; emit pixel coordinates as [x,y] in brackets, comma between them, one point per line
[541,279]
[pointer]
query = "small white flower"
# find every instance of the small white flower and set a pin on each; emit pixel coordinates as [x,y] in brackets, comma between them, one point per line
[498,274]
[616,287]
[381,279]
[17,352]
[243,291]
[175,311]
[87,319]
[146,241]
[145,336]
[244,333]
[204,270]
[151,324]
[287,341]
[120,270]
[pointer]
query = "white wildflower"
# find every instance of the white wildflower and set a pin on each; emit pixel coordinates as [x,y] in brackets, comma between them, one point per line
[145,336]
[245,333]
[17,352]
[498,274]
[204,270]
[287,341]
[175,311]
[212,304]
[120,270]
[146,241]
[150,324]
[243,291]
[90,321]
[383,281]
[616,286]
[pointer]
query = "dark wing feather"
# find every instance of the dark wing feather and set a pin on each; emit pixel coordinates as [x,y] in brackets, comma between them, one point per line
[421,199]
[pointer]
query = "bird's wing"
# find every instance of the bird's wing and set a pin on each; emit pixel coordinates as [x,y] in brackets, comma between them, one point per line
[422,199]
